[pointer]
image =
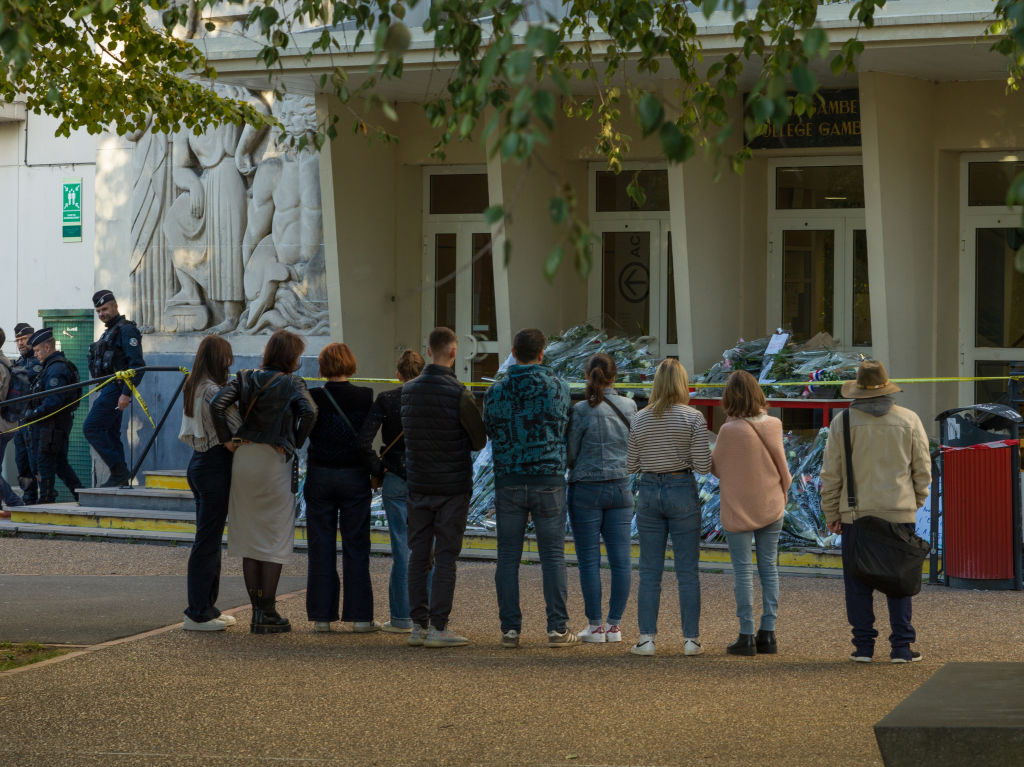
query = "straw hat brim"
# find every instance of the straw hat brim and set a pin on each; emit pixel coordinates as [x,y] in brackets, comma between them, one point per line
[850,390]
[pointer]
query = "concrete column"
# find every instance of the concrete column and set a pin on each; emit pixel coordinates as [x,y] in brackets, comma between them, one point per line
[899,188]
[502,302]
[681,266]
[330,225]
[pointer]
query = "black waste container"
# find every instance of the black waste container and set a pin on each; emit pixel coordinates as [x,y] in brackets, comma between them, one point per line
[980,497]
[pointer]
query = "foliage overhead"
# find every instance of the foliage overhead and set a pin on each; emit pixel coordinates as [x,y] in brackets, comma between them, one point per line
[510,67]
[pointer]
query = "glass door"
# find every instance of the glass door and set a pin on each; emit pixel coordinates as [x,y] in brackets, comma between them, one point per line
[992,287]
[632,283]
[458,263]
[818,280]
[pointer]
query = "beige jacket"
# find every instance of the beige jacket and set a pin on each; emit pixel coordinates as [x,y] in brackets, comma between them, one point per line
[5,383]
[750,462]
[891,466]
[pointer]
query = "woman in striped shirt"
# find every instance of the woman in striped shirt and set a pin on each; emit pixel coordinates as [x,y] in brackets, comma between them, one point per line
[667,444]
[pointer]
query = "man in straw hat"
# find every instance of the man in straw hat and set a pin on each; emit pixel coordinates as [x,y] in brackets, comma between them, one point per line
[892,471]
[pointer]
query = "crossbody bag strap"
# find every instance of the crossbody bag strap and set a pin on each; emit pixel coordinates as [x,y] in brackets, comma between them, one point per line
[851,488]
[761,437]
[618,412]
[394,442]
[340,411]
[252,402]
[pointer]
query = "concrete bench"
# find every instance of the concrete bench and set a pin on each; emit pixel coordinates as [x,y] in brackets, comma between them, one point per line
[966,714]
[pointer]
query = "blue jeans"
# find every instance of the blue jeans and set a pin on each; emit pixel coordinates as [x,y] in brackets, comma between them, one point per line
[7,494]
[209,477]
[667,505]
[102,427]
[860,611]
[338,499]
[602,510]
[767,542]
[513,506]
[394,495]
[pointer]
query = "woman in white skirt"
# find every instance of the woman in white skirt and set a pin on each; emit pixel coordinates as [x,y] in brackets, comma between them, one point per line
[277,416]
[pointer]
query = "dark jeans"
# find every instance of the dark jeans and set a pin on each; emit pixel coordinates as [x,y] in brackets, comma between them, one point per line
[102,427]
[209,476]
[513,506]
[338,499]
[27,459]
[51,438]
[436,526]
[861,613]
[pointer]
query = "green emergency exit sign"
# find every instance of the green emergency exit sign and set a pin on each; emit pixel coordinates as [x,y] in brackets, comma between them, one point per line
[71,210]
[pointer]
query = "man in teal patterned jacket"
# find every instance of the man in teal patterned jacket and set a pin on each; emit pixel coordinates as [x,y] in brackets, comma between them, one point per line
[526,415]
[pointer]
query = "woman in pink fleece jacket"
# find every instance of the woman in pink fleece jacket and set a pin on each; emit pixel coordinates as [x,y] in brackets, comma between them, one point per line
[750,463]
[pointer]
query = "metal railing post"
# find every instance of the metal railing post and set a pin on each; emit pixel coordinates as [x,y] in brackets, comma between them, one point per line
[156,432]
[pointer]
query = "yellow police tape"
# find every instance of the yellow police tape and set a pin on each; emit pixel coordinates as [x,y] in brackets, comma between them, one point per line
[125,376]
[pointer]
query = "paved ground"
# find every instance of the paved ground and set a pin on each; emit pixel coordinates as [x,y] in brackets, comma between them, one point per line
[174,698]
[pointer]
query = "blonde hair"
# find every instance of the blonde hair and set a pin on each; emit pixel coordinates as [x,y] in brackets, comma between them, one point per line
[671,387]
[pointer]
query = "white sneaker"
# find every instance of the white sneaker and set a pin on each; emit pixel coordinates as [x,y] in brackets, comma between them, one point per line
[391,628]
[593,634]
[322,627]
[645,645]
[613,633]
[214,624]
[365,627]
[227,620]
[692,647]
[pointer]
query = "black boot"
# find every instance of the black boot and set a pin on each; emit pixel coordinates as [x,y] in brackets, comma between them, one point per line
[119,475]
[766,642]
[265,619]
[744,645]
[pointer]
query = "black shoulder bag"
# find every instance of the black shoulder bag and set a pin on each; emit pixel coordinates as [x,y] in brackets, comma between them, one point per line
[884,555]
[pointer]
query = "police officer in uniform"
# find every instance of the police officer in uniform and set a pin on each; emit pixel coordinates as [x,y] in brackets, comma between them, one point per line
[23,375]
[119,348]
[52,434]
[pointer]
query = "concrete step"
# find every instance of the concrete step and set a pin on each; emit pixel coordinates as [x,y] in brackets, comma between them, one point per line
[149,498]
[167,479]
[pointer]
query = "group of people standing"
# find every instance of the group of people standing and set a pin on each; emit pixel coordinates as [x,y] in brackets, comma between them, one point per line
[245,431]
[41,427]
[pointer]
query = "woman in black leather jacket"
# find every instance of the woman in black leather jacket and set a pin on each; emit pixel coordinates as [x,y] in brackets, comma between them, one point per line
[277,416]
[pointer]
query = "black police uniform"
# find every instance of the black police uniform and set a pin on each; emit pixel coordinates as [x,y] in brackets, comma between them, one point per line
[51,435]
[119,348]
[24,373]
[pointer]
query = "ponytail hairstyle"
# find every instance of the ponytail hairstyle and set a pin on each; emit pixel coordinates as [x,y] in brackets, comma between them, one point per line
[601,372]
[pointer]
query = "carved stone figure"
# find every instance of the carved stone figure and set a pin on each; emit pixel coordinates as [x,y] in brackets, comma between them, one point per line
[283,243]
[152,279]
[204,227]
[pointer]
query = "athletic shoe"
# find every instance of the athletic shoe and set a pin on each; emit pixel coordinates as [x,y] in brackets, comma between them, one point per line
[915,656]
[365,627]
[322,627]
[417,636]
[510,639]
[391,628]
[613,633]
[214,624]
[227,620]
[643,647]
[692,647]
[437,638]
[593,634]
[860,658]
[562,639]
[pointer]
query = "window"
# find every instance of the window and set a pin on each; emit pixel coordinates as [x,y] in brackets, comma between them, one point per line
[612,196]
[819,187]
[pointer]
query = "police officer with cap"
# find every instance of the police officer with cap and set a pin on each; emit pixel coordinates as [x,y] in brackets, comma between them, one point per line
[52,434]
[119,348]
[23,375]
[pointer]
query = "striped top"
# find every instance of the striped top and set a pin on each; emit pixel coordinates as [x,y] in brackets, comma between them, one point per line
[675,441]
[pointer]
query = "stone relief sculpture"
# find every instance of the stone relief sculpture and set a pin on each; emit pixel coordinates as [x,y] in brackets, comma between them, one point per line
[150,268]
[227,228]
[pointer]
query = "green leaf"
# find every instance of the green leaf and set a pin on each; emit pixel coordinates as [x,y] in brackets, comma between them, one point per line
[677,146]
[650,113]
[762,108]
[804,80]
[389,111]
[494,214]
[544,106]
[554,260]
[815,42]
[1015,194]
[558,209]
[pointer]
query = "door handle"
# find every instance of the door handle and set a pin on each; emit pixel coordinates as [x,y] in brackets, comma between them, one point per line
[476,348]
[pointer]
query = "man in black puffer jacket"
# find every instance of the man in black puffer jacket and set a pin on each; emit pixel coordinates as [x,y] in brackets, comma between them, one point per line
[442,426]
